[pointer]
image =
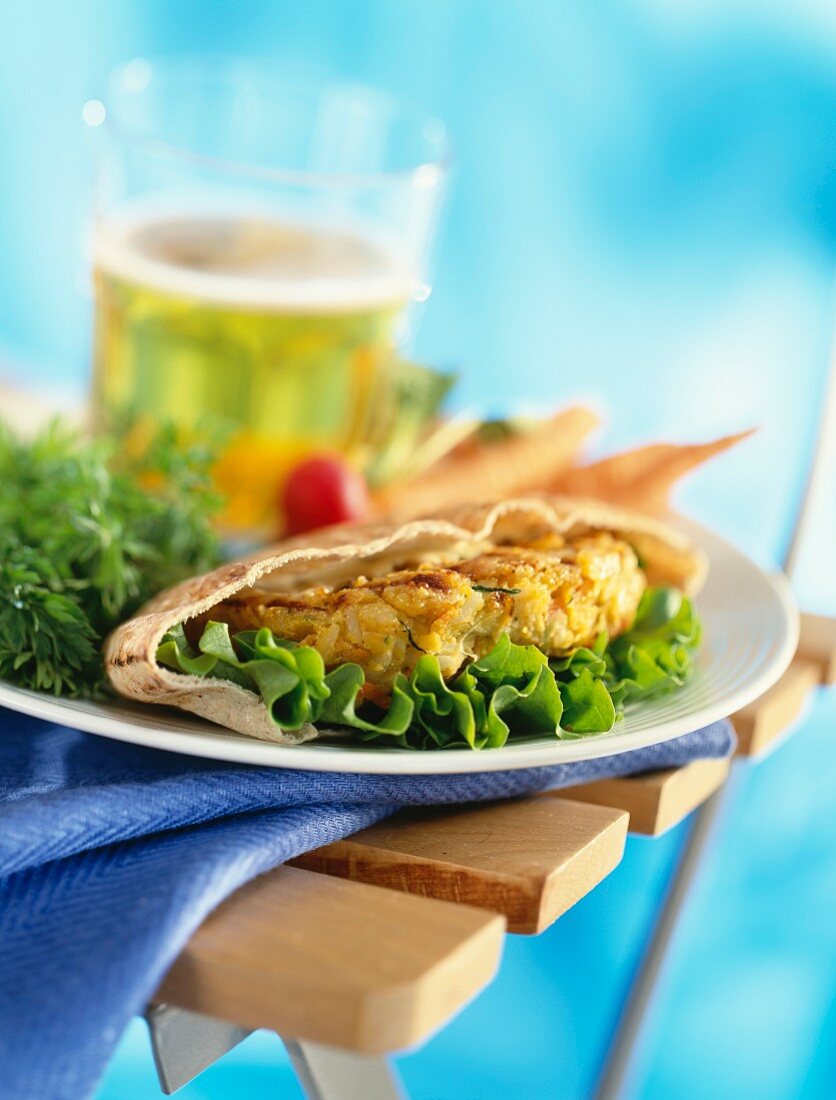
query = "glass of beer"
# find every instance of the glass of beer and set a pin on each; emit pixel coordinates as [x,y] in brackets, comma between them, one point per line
[260,250]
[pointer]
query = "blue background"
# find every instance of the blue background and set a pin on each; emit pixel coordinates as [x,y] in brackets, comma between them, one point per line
[644,215]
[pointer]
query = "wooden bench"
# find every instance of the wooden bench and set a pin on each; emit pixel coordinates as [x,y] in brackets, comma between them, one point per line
[371,944]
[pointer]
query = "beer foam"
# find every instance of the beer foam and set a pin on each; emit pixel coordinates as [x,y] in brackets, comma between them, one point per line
[251,261]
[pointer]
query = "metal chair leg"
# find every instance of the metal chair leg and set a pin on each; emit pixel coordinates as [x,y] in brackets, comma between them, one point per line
[326,1073]
[617,1065]
[624,1042]
[184,1043]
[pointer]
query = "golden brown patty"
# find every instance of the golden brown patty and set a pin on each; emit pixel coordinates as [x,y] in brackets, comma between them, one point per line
[568,594]
[553,594]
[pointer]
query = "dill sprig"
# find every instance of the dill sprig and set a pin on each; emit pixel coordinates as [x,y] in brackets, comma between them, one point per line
[88,532]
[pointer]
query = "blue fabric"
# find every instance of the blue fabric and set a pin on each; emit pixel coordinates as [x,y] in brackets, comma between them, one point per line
[111,855]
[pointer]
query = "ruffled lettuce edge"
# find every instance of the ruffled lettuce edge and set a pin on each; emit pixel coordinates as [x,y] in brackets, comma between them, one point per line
[513,691]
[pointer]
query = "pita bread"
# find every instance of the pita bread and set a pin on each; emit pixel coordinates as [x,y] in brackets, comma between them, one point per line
[338,554]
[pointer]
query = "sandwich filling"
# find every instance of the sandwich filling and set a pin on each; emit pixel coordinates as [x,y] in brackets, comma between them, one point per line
[555,593]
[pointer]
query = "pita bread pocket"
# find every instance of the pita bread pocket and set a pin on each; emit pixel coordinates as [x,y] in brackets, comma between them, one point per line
[337,555]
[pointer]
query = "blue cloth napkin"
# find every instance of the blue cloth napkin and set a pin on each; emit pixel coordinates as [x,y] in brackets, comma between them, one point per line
[111,855]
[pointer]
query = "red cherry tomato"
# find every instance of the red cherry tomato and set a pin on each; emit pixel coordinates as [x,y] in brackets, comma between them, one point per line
[321,491]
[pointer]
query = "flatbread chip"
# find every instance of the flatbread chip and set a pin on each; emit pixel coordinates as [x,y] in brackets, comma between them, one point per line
[641,478]
[522,462]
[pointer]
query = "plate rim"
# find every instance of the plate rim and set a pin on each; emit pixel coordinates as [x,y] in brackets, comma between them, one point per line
[250,751]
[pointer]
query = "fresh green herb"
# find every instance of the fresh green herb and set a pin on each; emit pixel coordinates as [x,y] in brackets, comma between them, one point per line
[87,534]
[513,691]
[488,588]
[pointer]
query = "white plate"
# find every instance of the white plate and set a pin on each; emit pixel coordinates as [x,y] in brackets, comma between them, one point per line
[751,634]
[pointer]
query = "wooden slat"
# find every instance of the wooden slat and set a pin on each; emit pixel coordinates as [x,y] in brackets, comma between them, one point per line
[760,725]
[335,962]
[817,645]
[529,859]
[656,801]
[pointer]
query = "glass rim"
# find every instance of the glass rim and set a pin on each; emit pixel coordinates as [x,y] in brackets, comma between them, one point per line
[425,173]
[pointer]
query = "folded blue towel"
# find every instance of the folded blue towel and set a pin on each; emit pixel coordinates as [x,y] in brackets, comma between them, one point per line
[111,855]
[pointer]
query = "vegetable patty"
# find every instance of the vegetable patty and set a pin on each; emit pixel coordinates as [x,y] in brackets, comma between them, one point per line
[554,594]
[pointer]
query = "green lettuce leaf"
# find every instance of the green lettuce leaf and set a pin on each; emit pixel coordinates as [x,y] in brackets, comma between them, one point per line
[340,708]
[588,706]
[289,678]
[444,713]
[594,659]
[656,655]
[513,691]
[521,690]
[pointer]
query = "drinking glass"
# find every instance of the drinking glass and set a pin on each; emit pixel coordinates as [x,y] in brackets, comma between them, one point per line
[260,248]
